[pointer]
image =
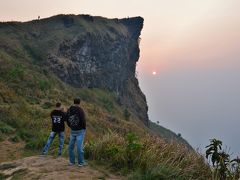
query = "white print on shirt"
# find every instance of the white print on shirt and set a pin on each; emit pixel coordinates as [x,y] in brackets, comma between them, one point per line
[73,120]
[56,119]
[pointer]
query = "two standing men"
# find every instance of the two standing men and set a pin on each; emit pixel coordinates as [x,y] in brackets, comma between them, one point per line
[75,118]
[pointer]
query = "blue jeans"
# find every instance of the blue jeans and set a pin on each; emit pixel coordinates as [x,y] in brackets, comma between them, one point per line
[76,136]
[50,140]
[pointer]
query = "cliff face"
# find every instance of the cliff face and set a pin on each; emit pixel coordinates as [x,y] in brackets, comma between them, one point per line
[86,51]
[105,60]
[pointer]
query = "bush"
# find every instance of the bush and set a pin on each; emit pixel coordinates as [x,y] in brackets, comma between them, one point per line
[1,137]
[33,52]
[107,103]
[133,148]
[24,134]
[2,176]
[36,114]
[8,119]
[47,105]
[17,71]
[44,85]
[223,166]
[85,94]
[32,100]
[36,143]
[110,149]
[126,114]
[15,138]
[6,129]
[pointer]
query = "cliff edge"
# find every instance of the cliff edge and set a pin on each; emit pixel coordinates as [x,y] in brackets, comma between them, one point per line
[84,51]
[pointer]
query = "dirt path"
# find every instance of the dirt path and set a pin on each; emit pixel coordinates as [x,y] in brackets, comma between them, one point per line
[10,150]
[48,167]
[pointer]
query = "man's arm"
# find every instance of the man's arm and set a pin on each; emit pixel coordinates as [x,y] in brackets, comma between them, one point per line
[83,118]
[67,116]
[64,116]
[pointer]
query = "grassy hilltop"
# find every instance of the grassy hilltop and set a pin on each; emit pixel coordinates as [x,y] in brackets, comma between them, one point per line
[115,134]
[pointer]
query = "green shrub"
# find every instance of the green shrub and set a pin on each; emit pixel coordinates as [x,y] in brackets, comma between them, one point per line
[32,100]
[126,114]
[36,143]
[9,120]
[17,71]
[44,85]
[133,149]
[36,113]
[111,148]
[85,94]
[223,166]
[107,103]
[33,52]
[6,129]
[24,134]
[46,105]
[1,137]
[15,138]
[89,150]
[2,176]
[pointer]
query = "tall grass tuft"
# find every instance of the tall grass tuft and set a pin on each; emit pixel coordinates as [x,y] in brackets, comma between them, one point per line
[148,158]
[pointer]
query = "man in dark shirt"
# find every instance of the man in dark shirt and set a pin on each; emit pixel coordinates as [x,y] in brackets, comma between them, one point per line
[77,122]
[58,117]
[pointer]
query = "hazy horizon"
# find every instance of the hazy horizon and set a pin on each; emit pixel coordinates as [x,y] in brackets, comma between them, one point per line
[194,48]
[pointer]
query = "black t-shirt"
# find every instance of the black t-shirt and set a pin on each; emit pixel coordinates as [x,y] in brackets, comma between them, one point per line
[76,118]
[58,118]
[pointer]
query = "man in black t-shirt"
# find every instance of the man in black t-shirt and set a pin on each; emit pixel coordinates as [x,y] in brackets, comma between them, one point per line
[77,122]
[58,127]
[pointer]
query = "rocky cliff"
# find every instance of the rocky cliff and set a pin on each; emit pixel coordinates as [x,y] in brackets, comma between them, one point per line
[85,51]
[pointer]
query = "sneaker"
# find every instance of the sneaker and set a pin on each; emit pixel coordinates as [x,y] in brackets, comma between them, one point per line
[82,164]
[71,164]
[43,154]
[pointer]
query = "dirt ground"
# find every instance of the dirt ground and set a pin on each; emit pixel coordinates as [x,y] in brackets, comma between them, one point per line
[10,150]
[48,167]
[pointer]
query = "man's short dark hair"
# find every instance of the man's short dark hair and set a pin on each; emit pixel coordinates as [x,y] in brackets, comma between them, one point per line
[77,101]
[58,104]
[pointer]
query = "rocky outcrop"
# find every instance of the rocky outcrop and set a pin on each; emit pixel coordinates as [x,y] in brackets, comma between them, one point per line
[103,59]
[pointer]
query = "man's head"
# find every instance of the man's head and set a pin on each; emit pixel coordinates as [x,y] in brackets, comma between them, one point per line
[58,105]
[77,101]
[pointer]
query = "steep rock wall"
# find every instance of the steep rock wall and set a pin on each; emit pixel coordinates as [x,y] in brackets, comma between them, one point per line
[86,51]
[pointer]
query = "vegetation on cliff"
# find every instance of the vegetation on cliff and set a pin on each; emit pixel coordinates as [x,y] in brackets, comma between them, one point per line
[116,124]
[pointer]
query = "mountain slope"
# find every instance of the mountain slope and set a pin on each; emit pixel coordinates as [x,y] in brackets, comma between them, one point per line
[94,58]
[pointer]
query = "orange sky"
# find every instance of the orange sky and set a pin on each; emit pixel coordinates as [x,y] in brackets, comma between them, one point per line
[177,33]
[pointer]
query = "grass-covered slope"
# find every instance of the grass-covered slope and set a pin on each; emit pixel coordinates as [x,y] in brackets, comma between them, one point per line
[28,92]
[167,134]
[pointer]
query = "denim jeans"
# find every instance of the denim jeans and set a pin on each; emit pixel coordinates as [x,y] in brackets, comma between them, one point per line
[76,137]
[50,140]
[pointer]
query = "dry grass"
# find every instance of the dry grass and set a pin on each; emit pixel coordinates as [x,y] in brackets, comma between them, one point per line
[155,160]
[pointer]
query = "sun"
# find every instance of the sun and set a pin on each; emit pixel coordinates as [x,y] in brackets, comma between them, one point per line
[154,73]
